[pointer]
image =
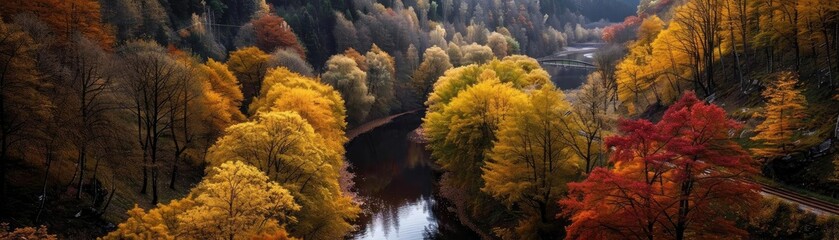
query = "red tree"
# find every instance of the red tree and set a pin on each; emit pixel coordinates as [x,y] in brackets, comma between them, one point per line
[273,32]
[679,178]
[621,32]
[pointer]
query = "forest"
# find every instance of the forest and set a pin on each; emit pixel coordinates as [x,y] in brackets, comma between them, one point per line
[419,119]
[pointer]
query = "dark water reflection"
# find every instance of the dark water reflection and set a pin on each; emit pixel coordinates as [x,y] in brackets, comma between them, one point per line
[572,78]
[397,180]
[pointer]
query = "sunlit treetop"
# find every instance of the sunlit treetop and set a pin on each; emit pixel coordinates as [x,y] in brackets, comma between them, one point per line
[318,103]
[520,71]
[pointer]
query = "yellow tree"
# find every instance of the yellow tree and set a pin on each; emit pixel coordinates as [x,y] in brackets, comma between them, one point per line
[633,73]
[815,24]
[188,111]
[778,30]
[590,119]
[249,65]
[632,88]
[221,96]
[224,82]
[674,68]
[235,201]
[520,71]
[697,35]
[284,146]
[785,108]
[319,104]
[464,112]
[462,133]
[530,163]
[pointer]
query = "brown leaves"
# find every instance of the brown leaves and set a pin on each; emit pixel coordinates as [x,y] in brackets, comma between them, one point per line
[273,32]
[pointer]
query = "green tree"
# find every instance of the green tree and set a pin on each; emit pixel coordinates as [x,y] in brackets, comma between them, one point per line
[344,75]
[436,63]
[462,133]
[381,75]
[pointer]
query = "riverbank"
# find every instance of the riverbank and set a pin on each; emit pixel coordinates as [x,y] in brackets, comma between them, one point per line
[369,126]
[399,184]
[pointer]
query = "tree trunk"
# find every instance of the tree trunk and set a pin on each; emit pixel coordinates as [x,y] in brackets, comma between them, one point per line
[154,171]
[111,196]
[734,49]
[829,66]
[82,160]
[795,40]
[44,186]
[4,160]
[684,205]
[174,171]
[154,186]
[145,176]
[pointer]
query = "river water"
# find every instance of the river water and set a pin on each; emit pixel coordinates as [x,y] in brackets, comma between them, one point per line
[397,180]
[572,78]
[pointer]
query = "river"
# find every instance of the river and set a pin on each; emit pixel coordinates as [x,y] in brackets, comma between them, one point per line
[397,180]
[398,184]
[572,78]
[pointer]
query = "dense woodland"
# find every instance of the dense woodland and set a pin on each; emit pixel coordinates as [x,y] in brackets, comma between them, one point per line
[227,119]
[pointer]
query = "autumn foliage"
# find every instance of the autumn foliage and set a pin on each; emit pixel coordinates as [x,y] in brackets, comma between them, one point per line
[785,108]
[235,200]
[679,178]
[618,32]
[39,233]
[65,17]
[273,32]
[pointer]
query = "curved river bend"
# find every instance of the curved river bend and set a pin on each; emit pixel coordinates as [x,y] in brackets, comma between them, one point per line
[398,183]
[397,180]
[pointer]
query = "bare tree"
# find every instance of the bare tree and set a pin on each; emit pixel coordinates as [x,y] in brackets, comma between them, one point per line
[151,83]
[183,114]
[606,59]
[88,80]
[701,22]
[589,121]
